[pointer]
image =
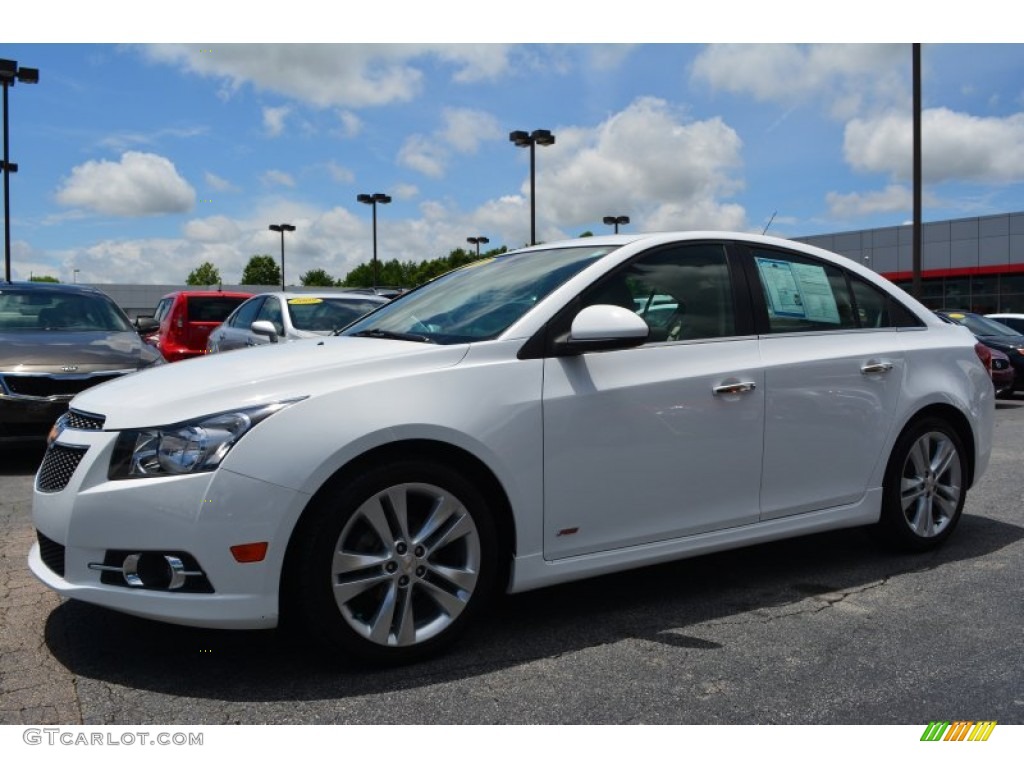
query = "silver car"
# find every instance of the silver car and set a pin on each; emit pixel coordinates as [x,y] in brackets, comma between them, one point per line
[55,341]
[269,318]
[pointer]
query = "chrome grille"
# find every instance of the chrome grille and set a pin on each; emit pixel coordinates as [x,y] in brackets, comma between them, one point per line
[52,553]
[89,422]
[59,464]
[52,386]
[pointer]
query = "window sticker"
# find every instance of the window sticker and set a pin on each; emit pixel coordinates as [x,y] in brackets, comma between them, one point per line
[305,300]
[798,290]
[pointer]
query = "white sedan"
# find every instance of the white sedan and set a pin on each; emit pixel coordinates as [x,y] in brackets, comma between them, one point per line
[270,318]
[511,425]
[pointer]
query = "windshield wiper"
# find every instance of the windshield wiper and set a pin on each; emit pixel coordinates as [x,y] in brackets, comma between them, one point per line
[377,333]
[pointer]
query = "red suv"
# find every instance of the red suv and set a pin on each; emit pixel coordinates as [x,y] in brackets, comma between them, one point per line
[183,320]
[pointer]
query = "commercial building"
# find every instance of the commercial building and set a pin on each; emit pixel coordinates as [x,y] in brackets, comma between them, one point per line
[975,263]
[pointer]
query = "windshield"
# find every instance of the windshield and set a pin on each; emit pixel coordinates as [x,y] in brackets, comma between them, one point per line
[328,313]
[479,301]
[983,326]
[29,310]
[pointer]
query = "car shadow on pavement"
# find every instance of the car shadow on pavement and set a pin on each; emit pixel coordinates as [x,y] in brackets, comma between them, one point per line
[655,604]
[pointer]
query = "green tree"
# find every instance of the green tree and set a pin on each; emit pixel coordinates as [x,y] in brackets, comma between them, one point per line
[204,274]
[43,279]
[409,274]
[261,270]
[317,277]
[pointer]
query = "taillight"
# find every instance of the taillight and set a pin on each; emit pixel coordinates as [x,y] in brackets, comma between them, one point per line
[985,355]
[177,321]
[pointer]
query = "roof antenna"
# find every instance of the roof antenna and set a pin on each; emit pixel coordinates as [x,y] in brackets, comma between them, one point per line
[769,222]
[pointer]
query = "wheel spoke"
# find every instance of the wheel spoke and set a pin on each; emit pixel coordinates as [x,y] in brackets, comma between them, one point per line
[346,591]
[352,562]
[463,527]
[383,620]
[945,454]
[398,498]
[442,510]
[372,511]
[463,578]
[451,604]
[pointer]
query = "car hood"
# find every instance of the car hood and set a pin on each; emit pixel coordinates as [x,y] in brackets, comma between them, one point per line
[215,383]
[89,351]
[1003,342]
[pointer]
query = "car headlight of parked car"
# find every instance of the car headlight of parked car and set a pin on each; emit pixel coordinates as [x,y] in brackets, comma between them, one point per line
[186,448]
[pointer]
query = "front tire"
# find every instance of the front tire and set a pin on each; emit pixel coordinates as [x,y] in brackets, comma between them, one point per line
[392,566]
[925,486]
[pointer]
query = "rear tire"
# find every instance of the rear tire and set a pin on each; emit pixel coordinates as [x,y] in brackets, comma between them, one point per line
[925,486]
[393,566]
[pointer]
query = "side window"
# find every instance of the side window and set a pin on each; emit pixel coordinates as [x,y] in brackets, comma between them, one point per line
[161,309]
[877,309]
[802,294]
[682,292]
[271,311]
[245,314]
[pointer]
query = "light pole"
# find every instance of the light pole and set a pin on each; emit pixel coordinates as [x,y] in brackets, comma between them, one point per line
[523,139]
[376,197]
[477,241]
[75,275]
[10,73]
[282,228]
[616,220]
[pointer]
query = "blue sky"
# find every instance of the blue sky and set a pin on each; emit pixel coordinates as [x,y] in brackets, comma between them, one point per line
[137,162]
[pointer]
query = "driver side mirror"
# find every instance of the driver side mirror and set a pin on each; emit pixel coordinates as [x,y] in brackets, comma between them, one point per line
[265,328]
[602,328]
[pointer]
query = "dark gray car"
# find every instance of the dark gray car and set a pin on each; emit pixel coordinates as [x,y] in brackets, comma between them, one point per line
[55,341]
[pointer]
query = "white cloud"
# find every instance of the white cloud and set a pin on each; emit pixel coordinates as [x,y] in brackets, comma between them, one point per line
[351,125]
[422,154]
[273,119]
[278,178]
[214,229]
[849,78]
[646,161]
[340,173]
[345,75]
[462,131]
[893,198]
[216,183]
[954,146]
[140,184]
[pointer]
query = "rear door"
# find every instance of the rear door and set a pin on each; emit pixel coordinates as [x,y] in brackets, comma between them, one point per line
[834,364]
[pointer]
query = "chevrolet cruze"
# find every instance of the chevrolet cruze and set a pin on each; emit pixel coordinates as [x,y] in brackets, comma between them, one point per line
[554,413]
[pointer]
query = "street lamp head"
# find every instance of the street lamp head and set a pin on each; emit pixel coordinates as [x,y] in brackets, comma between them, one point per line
[616,219]
[282,227]
[376,197]
[28,76]
[9,72]
[519,138]
[543,137]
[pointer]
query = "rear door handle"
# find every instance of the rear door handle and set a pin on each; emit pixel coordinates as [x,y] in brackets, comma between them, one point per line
[876,366]
[735,388]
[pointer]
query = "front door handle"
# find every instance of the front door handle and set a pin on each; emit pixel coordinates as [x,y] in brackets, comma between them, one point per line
[735,388]
[876,366]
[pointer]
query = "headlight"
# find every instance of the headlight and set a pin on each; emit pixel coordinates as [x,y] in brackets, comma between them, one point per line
[189,447]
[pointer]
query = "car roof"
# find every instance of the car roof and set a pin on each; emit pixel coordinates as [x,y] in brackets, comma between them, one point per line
[84,290]
[192,294]
[287,295]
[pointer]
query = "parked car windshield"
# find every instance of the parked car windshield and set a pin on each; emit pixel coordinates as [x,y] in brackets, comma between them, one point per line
[479,301]
[983,326]
[315,313]
[29,310]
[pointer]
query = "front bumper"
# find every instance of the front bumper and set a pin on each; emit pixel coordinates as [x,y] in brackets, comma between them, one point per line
[92,524]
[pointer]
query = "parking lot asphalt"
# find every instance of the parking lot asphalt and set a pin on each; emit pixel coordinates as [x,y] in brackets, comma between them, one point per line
[823,629]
